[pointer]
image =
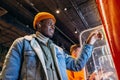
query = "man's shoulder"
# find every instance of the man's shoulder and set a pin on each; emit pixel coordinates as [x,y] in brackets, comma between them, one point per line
[29,37]
[26,37]
[58,48]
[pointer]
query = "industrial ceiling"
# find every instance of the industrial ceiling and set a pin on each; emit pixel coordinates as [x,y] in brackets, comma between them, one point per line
[16,18]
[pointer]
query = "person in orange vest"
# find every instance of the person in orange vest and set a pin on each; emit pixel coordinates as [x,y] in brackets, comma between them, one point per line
[72,75]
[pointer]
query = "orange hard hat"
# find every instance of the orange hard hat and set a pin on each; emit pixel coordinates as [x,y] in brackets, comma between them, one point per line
[41,16]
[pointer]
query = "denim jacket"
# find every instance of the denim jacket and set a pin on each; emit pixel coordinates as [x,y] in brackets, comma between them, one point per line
[25,61]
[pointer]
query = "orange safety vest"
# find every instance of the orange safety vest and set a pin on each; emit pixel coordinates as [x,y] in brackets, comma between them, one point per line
[76,75]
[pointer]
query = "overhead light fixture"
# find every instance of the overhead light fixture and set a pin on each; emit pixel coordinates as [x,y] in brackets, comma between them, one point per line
[57,7]
[65,9]
[27,26]
[57,11]
[76,31]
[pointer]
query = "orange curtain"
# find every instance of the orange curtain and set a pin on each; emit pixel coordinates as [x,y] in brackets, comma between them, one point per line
[110,15]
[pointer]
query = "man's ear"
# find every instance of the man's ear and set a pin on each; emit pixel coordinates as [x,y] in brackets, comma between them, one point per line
[38,26]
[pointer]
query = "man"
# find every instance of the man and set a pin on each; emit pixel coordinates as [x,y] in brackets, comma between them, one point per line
[72,75]
[36,57]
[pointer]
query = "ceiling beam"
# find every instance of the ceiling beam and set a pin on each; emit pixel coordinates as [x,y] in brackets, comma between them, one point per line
[85,23]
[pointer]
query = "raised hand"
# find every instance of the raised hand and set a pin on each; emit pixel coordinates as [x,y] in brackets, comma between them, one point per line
[95,35]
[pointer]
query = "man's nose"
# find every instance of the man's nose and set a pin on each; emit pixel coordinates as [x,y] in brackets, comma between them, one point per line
[53,26]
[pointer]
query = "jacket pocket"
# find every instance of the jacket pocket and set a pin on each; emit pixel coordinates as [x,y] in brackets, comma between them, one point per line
[30,58]
[29,65]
